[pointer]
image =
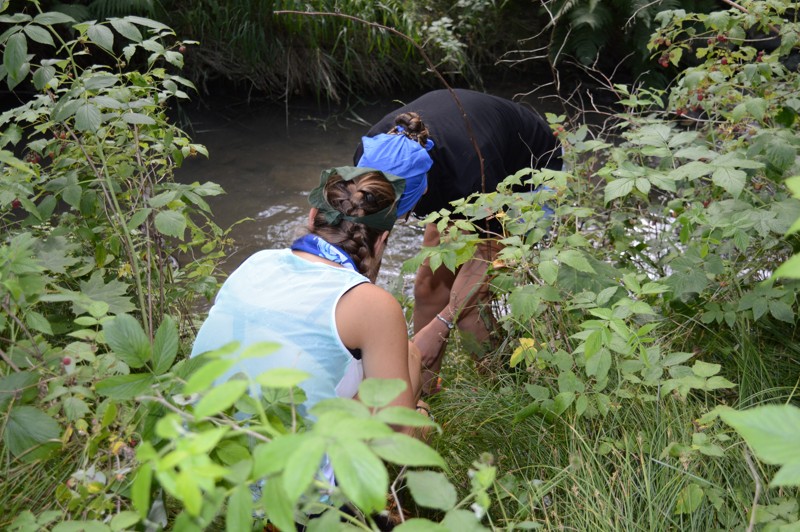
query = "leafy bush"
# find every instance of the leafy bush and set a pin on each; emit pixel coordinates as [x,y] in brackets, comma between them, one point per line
[92,225]
[651,290]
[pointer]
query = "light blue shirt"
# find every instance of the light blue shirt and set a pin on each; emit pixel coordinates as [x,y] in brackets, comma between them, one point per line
[276,296]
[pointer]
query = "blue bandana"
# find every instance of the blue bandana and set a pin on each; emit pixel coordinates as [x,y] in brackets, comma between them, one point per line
[399,155]
[321,248]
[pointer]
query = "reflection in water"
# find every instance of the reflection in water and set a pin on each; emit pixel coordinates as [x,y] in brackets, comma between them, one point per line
[267,165]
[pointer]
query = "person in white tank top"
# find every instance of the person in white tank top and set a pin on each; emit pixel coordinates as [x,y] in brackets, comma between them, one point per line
[318,299]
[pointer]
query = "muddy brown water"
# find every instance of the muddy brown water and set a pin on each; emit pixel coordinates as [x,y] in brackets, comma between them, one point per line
[268,156]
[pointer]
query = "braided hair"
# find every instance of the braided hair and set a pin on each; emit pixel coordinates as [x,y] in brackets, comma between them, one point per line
[412,127]
[366,194]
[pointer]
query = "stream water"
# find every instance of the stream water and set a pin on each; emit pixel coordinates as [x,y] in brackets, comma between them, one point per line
[268,157]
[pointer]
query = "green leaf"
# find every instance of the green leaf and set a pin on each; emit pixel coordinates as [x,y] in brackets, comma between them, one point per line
[239,515]
[100,81]
[202,379]
[113,293]
[402,449]
[75,408]
[220,398]
[88,118]
[125,336]
[72,196]
[689,499]
[687,283]
[302,465]
[38,322]
[21,386]
[361,475]
[788,475]
[418,524]
[26,428]
[599,365]
[39,34]
[431,490]
[231,453]
[524,301]
[282,377]
[549,271]
[618,188]
[123,387]
[789,269]
[126,29]
[398,415]
[781,311]
[65,109]
[563,401]
[81,526]
[52,17]
[277,504]
[124,521]
[137,118]
[171,223]
[101,36]
[569,382]
[147,23]
[380,392]
[731,179]
[772,431]
[270,458]
[575,259]
[643,185]
[15,57]
[756,107]
[138,218]
[704,369]
[334,423]
[188,492]
[165,346]
[717,383]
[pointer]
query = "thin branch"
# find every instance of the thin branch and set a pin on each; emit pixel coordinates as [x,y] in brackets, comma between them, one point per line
[393,490]
[754,473]
[189,417]
[8,361]
[5,306]
[744,10]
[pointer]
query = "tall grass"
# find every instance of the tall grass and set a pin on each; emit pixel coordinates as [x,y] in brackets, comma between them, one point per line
[603,473]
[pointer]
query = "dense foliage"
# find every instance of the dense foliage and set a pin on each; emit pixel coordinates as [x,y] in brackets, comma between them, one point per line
[647,327]
[657,296]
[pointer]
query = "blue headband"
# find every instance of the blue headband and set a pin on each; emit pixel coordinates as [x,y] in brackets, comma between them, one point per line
[399,155]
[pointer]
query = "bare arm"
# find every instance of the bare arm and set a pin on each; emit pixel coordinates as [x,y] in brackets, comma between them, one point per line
[370,319]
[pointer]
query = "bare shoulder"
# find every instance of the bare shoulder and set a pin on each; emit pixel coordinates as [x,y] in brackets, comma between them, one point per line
[366,310]
[370,298]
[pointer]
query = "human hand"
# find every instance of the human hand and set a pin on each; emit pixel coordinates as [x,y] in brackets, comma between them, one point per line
[430,341]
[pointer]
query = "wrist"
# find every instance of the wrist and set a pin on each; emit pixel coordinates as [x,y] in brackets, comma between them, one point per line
[448,323]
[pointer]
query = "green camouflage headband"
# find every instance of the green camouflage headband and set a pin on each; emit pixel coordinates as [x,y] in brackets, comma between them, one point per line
[382,220]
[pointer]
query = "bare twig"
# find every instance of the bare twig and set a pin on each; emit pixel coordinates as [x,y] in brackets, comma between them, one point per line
[7,309]
[754,473]
[393,490]
[187,416]
[8,361]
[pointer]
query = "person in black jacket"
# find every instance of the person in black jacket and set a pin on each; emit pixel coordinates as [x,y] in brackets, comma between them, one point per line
[447,133]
